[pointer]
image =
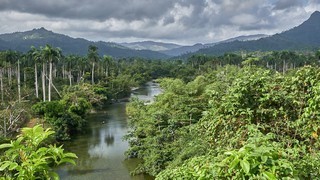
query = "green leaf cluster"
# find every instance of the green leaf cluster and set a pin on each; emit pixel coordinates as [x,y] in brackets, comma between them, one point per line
[28,157]
[67,115]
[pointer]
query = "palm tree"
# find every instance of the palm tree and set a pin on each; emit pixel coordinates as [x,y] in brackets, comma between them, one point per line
[93,56]
[50,54]
[13,57]
[107,60]
[70,62]
[36,57]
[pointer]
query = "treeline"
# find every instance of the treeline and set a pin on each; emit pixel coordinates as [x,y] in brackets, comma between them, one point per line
[62,89]
[227,116]
[255,119]
[44,74]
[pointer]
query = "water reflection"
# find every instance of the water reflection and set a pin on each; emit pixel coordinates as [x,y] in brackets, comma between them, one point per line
[100,150]
[148,92]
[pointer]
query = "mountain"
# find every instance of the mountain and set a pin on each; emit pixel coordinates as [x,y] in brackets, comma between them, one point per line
[150,45]
[190,49]
[304,36]
[22,41]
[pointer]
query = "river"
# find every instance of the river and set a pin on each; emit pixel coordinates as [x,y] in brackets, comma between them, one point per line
[101,149]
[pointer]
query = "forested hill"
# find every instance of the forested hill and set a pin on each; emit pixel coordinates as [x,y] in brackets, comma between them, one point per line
[22,41]
[304,36]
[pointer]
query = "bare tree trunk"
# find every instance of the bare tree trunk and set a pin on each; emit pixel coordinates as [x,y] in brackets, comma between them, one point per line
[70,78]
[44,81]
[54,71]
[50,81]
[63,72]
[36,80]
[55,88]
[92,74]
[79,76]
[1,84]
[9,75]
[18,80]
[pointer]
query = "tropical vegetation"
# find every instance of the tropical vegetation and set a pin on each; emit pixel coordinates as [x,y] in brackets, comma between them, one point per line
[256,120]
[238,115]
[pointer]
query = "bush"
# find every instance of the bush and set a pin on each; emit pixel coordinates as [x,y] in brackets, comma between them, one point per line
[28,157]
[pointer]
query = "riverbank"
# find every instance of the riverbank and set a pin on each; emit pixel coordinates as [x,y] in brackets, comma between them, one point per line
[101,149]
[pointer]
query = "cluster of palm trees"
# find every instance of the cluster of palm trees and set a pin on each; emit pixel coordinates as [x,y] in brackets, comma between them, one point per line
[47,63]
[45,55]
[280,61]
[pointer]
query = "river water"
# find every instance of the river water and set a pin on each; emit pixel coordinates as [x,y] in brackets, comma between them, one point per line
[101,149]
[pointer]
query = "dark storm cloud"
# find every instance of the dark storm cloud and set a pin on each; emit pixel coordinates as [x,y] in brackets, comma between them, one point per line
[176,20]
[90,9]
[285,4]
[129,10]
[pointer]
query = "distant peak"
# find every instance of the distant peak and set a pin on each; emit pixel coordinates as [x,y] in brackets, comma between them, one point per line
[40,29]
[43,29]
[315,14]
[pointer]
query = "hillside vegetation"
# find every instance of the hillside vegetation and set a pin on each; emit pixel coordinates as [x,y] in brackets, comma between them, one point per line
[234,122]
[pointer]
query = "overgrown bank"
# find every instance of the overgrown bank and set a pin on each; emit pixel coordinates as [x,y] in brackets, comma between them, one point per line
[214,118]
[250,122]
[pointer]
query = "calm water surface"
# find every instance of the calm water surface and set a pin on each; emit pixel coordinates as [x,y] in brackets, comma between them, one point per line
[101,149]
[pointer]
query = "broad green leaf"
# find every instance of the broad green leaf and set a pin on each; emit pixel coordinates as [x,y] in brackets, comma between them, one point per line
[13,166]
[4,165]
[269,175]
[72,155]
[234,163]
[245,165]
[2,146]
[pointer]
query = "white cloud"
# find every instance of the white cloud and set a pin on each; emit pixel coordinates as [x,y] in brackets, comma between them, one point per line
[243,19]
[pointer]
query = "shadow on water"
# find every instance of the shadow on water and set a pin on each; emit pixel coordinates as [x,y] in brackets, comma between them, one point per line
[100,148]
[85,171]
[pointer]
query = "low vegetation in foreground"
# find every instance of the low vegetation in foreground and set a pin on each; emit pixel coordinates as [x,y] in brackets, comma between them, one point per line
[29,156]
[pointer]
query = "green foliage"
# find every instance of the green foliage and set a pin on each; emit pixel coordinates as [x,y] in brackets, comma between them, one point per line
[28,157]
[67,116]
[94,94]
[258,159]
[232,123]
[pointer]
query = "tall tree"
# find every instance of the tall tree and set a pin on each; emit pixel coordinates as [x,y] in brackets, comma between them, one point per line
[93,57]
[36,57]
[107,60]
[12,58]
[50,54]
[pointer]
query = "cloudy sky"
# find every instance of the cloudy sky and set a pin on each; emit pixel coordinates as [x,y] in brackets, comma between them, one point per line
[178,21]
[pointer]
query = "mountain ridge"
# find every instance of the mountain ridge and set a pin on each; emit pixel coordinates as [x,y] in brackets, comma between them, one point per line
[193,48]
[22,41]
[304,36]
